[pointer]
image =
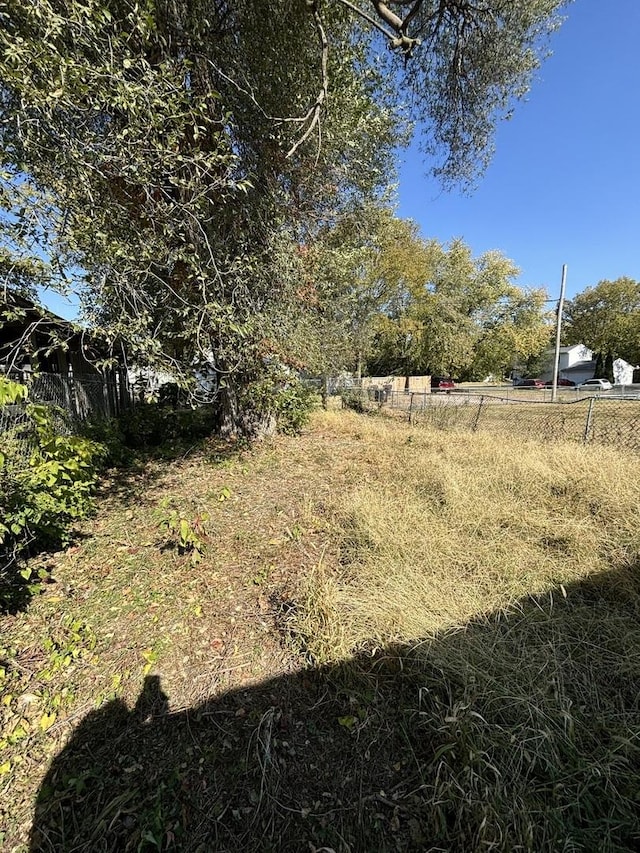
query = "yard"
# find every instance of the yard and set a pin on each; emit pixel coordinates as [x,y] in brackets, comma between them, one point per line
[386,638]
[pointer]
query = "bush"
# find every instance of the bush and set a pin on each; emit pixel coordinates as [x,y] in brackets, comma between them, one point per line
[46,477]
[151,425]
[294,404]
[283,398]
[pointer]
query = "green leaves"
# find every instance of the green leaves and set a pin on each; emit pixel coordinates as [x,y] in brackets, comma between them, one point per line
[606,318]
[42,494]
[11,392]
[465,317]
[187,532]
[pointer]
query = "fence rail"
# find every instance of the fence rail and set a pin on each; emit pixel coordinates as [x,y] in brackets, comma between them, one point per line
[596,419]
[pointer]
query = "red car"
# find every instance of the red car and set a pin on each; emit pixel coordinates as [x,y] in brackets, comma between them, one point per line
[442,383]
[528,383]
[562,383]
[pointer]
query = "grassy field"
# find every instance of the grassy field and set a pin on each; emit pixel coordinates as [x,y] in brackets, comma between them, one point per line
[396,639]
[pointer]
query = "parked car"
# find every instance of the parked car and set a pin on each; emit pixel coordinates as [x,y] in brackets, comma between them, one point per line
[442,383]
[564,383]
[596,385]
[528,383]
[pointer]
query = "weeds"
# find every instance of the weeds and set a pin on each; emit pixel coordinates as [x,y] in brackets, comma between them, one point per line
[187,531]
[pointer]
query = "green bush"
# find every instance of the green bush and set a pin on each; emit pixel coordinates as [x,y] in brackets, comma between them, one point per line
[151,425]
[48,487]
[283,397]
[294,404]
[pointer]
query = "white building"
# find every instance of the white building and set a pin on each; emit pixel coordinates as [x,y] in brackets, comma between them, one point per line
[577,364]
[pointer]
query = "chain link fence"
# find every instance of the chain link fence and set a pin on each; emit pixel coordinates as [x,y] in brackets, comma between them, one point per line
[17,434]
[81,396]
[606,419]
[72,399]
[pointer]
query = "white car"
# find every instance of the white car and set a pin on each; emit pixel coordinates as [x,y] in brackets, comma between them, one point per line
[596,385]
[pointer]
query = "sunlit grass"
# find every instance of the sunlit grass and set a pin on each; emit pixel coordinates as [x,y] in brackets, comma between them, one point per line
[453,525]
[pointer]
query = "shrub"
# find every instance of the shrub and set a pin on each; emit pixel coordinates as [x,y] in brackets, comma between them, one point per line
[294,404]
[46,476]
[152,425]
[283,398]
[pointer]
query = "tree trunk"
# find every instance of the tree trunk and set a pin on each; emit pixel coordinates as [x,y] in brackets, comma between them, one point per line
[235,419]
[608,367]
[324,390]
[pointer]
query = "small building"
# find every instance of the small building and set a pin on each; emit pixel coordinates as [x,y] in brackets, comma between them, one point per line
[577,364]
[58,361]
[623,372]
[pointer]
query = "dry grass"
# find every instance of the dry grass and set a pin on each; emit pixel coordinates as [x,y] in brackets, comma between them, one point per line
[471,609]
[454,526]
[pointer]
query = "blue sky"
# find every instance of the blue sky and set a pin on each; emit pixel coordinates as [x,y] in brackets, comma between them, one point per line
[564,185]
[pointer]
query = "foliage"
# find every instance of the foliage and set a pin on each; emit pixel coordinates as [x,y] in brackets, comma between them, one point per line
[460,316]
[43,493]
[180,156]
[188,532]
[606,318]
[465,65]
[293,406]
[150,425]
[161,173]
[282,396]
[357,268]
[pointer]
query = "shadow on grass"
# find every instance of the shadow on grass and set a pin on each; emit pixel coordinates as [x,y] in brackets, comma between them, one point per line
[23,574]
[129,484]
[519,732]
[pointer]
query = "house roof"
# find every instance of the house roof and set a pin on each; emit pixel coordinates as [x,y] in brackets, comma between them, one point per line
[580,366]
[33,328]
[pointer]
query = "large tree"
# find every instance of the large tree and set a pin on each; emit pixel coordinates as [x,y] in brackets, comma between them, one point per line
[466,317]
[606,318]
[181,152]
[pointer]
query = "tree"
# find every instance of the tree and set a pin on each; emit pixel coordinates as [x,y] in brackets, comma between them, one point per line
[466,318]
[606,318]
[361,265]
[181,153]
[464,64]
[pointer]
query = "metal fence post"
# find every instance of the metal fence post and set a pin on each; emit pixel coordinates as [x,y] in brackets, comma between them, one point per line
[587,426]
[477,417]
[411,407]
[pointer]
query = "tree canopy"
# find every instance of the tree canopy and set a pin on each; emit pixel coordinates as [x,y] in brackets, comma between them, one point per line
[180,154]
[606,318]
[465,317]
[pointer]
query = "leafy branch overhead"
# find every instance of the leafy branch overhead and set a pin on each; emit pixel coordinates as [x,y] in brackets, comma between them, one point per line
[464,63]
[169,161]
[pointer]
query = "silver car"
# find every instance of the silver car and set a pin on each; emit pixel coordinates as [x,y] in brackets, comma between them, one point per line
[596,385]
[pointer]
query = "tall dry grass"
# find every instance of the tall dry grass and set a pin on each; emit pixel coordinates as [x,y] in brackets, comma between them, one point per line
[444,527]
[499,580]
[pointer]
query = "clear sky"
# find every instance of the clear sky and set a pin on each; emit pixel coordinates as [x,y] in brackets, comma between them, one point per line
[564,185]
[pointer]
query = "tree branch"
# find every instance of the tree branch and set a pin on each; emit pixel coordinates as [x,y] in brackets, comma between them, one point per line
[322,94]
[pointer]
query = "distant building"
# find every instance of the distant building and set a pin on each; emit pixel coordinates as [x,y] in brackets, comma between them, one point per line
[577,364]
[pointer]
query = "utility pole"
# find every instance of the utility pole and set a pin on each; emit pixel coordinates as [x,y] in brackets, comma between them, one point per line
[556,360]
